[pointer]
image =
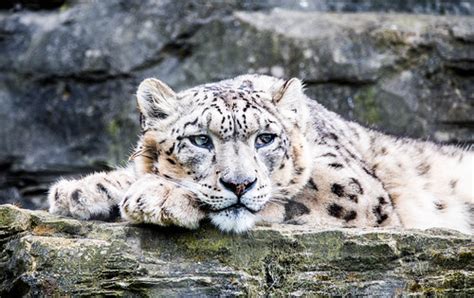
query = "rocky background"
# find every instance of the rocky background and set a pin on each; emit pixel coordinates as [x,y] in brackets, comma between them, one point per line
[69,69]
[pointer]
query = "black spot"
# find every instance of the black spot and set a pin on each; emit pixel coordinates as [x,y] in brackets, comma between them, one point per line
[439,205]
[293,209]
[382,200]
[336,165]
[125,201]
[170,150]
[381,217]
[171,161]
[337,189]
[351,215]
[56,196]
[299,170]
[312,185]
[353,198]
[75,195]
[453,183]
[329,154]
[102,189]
[282,166]
[113,214]
[335,210]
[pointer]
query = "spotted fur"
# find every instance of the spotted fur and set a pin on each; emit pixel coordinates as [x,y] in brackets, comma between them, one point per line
[257,149]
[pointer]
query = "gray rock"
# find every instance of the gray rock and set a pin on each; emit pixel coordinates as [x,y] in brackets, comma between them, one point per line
[68,75]
[42,254]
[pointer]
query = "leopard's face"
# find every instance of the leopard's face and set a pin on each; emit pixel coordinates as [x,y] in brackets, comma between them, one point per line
[231,148]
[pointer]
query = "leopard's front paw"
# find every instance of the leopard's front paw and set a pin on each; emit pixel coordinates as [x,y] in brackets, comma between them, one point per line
[81,199]
[158,201]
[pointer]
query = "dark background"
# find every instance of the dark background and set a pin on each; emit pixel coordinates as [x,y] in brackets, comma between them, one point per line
[69,69]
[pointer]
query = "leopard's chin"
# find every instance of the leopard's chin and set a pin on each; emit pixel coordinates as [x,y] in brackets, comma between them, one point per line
[235,219]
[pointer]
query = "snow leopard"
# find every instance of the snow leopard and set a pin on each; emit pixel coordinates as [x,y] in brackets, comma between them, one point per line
[256,149]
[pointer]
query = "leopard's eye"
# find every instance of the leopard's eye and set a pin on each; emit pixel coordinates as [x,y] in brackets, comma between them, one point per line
[202,141]
[264,139]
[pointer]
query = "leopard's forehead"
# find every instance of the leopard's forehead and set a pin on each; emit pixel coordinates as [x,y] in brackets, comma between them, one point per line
[238,86]
[229,109]
[226,91]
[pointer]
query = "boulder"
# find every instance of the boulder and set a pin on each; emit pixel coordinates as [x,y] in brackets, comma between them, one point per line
[69,69]
[42,254]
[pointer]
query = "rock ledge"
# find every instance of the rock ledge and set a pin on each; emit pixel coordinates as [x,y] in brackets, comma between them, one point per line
[50,255]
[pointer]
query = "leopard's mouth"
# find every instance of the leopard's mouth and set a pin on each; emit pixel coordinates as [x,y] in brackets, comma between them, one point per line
[235,208]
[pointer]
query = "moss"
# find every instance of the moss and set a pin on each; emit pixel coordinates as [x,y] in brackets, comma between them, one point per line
[366,107]
[205,247]
[66,6]
[13,219]
[458,280]
[414,286]
[115,148]
[450,259]
[389,38]
[113,128]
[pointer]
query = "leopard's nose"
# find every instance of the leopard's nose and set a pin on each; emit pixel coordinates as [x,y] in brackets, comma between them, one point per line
[238,188]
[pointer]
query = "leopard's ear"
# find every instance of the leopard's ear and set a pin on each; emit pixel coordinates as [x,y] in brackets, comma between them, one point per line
[156,100]
[289,99]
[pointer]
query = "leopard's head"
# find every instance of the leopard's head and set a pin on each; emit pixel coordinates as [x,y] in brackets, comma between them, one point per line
[237,145]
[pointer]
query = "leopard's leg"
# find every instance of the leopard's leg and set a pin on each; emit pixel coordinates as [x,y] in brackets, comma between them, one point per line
[154,199]
[95,196]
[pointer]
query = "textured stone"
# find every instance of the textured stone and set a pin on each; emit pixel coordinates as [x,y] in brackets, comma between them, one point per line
[50,255]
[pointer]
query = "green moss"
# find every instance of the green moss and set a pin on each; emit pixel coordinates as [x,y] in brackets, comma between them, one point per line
[66,6]
[389,38]
[117,151]
[414,286]
[113,128]
[205,247]
[449,259]
[458,280]
[366,107]
[13,219]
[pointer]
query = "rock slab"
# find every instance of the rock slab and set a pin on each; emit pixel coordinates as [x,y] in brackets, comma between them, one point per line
[42,254]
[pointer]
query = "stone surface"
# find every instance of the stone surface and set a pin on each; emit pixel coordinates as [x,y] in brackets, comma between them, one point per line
[68,71]
[49,255]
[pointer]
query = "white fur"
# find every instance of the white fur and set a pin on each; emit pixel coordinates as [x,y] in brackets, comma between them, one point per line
[228,222]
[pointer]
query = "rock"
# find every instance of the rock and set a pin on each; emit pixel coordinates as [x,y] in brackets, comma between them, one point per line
[68,72]
[50,255]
